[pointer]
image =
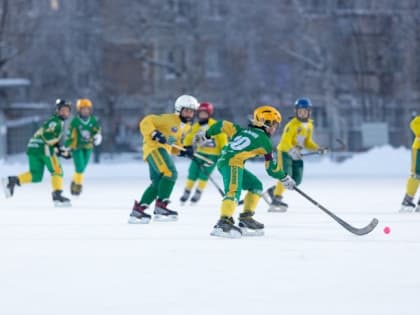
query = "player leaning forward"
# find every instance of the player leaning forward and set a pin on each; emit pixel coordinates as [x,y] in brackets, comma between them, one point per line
[246,143]
[83,133]
[160,133]
[414,179]
[42,152]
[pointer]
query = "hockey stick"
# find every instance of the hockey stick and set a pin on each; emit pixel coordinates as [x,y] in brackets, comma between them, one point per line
[340,148]
[196,155]
[358,231]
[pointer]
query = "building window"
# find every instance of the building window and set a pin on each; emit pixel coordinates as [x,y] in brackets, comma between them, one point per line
[212,62]
[174,63]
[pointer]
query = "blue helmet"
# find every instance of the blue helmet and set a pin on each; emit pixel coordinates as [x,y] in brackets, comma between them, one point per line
[303,103]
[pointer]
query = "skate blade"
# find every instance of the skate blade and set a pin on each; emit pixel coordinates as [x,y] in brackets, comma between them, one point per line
[59,204]
[406,209]
[4,182]
[134,220]
[219,233]
[277,209]
[165,218]
[250,232]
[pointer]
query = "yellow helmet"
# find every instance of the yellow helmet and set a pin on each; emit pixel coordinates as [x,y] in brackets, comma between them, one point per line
[266,116]
[83,102]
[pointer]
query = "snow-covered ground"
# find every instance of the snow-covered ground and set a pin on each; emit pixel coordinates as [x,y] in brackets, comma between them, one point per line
[88,260]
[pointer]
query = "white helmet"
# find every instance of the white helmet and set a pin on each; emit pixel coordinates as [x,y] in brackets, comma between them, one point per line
[186,101]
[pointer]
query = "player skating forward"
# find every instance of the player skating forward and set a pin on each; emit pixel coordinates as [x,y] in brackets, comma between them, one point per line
[297,135]
[160,132]
[42,151]
[245,143]
[210,149]
[414,179]
[84,132]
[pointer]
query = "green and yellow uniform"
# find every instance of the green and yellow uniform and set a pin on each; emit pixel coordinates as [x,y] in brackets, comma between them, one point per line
[295,134]
[80,137]
[40,152]
[163,173]
[414,179]
[211,149]
[244,144]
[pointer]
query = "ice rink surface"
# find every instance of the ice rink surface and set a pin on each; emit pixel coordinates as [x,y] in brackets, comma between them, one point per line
[88,260]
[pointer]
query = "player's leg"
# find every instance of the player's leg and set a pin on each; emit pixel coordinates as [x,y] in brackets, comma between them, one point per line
[413,182]
[138,214]
[79,167]
[203,177]
[277,204]
[53,165]
[247,223]
[232,181]
[34,175]
[164,164]
[193,172]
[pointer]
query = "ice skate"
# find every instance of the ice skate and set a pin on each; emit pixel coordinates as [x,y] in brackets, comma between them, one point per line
[249,226]
[59,200]
[225,227]
[185,196]
[162,213]
[9,185]
[277,205]
[138,214]
[75,189]
[407,205]
[196,197]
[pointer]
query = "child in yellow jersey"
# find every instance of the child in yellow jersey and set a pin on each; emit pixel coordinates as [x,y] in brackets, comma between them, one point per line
[160,133]
[414,179]
[210,149]
[297,135]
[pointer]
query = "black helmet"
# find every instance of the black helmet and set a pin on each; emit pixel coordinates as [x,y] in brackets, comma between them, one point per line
[59,103]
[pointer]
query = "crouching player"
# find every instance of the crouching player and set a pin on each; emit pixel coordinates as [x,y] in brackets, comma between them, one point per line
[246,143]
[160,134]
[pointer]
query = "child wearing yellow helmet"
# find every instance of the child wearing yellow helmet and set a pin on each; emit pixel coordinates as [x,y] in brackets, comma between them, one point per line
[83,134]
[244,144]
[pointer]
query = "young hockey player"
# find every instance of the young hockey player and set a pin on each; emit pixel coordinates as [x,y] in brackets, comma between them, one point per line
[42,151]
[414,179]
[84,132]
[160,132]
[210,149]
[297,135]
[245,143]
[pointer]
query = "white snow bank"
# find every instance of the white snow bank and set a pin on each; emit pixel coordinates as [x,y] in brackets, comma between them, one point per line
[381,161]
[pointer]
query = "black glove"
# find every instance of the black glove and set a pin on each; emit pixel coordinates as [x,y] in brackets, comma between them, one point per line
[158,136]
[63,152]
[189,152]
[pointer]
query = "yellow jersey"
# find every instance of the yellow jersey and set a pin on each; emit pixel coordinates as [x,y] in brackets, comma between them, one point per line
[168,125]
[213,146]
[297,133]
[415,128]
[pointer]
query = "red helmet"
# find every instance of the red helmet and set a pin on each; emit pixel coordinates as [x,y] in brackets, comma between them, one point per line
[206,107]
